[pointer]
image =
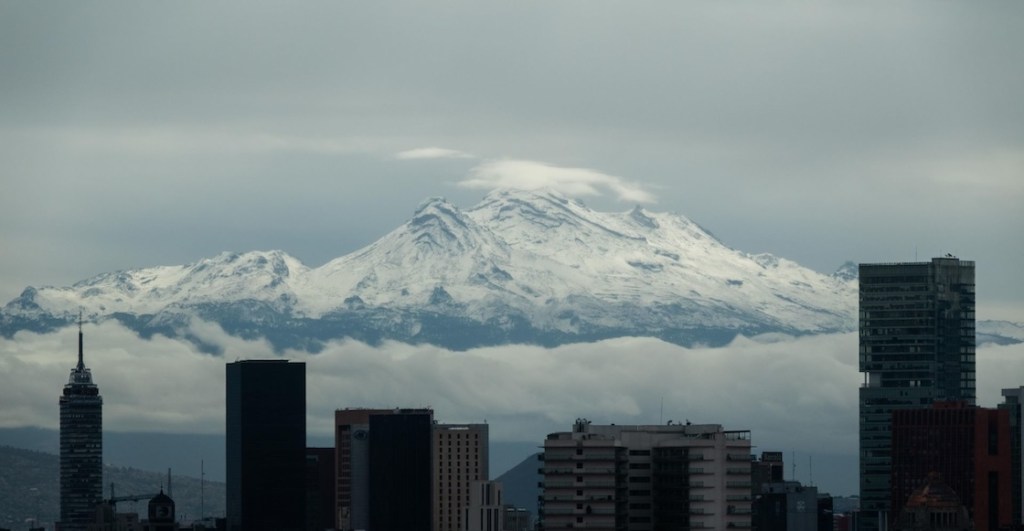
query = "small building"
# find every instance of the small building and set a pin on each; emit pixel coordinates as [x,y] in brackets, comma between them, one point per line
[934,507]
[786,506]
[485,511]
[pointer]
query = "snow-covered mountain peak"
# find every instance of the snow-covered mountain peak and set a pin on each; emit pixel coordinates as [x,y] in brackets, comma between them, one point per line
[533,266]
[640,216]
[847,272]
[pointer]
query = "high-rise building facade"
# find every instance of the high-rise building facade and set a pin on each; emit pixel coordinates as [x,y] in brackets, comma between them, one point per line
[460,458]
[651,477]
[266,445]
[916,347]
[352,459]
[366,472]
[400,472]
[81,447]
[968,446]
[1013,403]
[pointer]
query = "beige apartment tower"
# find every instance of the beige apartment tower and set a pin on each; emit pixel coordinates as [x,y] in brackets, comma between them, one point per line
[460,458]
[647,477]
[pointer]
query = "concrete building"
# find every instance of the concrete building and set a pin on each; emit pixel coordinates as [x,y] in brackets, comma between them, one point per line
[646,477]
[352,459]
[787,506]
[518,519]
[770,468]
[485,510]
[266,445]
[460,459]
[81,447]
[933,507]
[968,446]
[367,478]
[916,346]
[1013,403]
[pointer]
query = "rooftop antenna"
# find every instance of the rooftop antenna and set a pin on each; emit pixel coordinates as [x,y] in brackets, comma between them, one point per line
[81,362]
[810,469]
[793,473]
[661,413]
[170,490]
[202,476]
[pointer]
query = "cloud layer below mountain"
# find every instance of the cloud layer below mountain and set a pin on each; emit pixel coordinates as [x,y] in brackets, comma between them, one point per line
[794,394]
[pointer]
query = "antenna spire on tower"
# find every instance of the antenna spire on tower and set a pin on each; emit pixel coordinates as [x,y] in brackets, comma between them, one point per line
[81,362]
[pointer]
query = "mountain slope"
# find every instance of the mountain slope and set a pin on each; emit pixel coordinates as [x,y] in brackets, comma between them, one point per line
[520,267]
[30,491]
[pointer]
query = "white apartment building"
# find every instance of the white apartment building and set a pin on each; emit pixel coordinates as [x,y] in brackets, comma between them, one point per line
[646,477]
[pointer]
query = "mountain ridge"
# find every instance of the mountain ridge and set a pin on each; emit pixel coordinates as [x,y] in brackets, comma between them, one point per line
[518,267]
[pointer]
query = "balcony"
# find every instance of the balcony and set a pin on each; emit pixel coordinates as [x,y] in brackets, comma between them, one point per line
[569,471]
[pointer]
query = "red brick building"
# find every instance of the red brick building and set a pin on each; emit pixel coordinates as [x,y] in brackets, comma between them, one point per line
[969,446]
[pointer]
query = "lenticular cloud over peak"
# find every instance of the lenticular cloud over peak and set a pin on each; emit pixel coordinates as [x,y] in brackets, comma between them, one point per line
[533,175]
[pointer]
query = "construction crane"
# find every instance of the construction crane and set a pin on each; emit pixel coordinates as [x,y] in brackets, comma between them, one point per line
[136,497]
[132,498]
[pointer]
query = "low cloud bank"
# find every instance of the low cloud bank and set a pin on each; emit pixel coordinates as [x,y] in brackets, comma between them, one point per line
[794,394]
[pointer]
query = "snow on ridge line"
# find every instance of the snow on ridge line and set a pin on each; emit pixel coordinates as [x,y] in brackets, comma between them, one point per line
[637,256]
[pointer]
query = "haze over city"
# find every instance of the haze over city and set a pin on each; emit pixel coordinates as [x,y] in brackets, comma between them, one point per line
[161,134]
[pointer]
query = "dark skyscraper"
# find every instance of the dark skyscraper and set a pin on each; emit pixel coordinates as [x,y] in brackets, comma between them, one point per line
[81,447]
[400,483]
[266,445]
[916,347]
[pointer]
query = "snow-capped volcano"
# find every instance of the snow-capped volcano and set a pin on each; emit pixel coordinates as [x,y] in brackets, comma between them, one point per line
[519,266]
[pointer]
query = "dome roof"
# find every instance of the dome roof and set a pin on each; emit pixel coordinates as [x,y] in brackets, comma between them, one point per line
[935,494]
[161,499]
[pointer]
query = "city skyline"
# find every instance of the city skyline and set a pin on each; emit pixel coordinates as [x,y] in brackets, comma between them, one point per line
[816,422]
[163,134]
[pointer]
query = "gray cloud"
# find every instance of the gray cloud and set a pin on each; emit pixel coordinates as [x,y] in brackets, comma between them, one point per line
[532,175]
[432,153]
[795,394]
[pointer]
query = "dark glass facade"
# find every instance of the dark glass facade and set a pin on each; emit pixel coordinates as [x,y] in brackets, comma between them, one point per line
[400,457]
[916,347]
[1013,404]
[81,448]
[266,445]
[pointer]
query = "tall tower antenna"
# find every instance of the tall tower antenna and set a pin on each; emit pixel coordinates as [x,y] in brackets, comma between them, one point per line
[810,469]
[81,362]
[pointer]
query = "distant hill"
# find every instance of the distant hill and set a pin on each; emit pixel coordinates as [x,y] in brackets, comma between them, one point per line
[29,489]
[520,484]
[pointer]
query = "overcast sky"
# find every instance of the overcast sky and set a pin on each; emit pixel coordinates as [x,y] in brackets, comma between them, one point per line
[139,134]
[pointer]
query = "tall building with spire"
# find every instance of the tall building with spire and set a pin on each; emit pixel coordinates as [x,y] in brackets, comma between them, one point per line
[81,447]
